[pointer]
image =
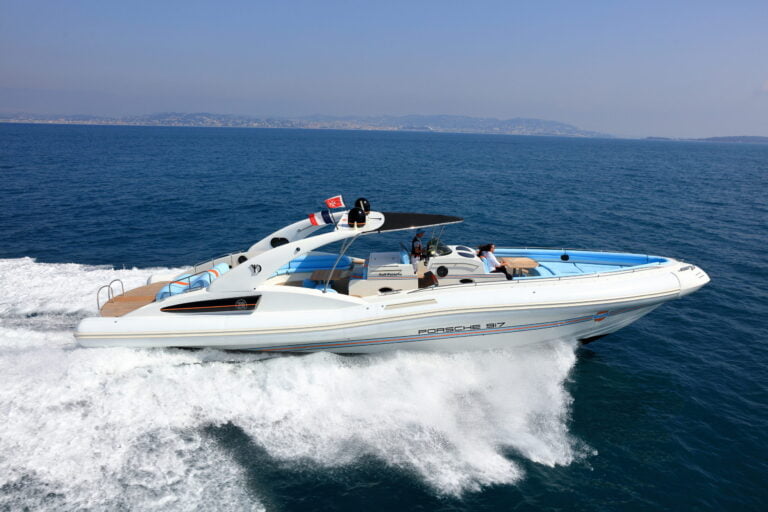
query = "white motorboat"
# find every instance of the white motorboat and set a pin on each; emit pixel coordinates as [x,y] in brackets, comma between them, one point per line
[282,295]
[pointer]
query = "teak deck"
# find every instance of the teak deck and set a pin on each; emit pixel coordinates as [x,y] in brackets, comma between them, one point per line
[519,262]
[132,300]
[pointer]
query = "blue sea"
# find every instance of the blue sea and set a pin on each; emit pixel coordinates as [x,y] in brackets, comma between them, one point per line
[670,413]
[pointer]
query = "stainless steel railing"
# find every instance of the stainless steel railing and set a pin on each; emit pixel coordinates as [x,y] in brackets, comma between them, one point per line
[110,294]
[228,258]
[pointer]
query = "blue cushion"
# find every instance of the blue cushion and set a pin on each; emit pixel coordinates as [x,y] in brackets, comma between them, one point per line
[183,282]
[311,262]
[180,284]
[221,268]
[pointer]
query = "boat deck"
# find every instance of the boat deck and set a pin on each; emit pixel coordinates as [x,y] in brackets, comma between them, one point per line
[132,300]
[561,263]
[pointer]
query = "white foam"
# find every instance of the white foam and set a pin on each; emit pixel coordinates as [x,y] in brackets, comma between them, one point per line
[105,427]
[31,287]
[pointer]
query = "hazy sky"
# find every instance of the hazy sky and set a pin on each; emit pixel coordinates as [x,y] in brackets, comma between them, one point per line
[668,68]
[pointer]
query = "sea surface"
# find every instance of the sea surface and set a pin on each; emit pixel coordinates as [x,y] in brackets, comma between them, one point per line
[670,413]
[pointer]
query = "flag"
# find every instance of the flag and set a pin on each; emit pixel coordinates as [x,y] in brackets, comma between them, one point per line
[335,202]
[321,218]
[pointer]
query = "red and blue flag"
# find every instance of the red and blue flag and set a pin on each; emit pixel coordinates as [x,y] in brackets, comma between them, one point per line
[320,218]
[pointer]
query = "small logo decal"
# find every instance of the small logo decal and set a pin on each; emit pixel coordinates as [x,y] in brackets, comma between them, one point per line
[600,316]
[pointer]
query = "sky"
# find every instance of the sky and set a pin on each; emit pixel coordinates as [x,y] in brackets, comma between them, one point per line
[633,69]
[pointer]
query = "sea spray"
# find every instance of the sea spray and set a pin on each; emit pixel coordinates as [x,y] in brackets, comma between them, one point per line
[32,288]
[112,427]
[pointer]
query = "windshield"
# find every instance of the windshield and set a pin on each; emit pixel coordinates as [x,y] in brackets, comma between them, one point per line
[436,247]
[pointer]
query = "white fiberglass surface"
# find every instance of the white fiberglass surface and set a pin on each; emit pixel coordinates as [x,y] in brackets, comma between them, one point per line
[136,428]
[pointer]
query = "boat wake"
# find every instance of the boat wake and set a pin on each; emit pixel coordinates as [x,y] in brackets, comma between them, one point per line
[122,427]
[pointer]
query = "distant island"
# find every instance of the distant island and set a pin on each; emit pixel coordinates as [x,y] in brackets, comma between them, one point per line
[420,123]
[739,139]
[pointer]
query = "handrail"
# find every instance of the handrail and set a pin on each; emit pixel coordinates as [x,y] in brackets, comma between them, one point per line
[122,288]
[98,295]
[110,293]
[189,281]
[212,261]
[575,249]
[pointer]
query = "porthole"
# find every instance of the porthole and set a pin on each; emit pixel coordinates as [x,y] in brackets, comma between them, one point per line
[442,271]
[385,290]
[466,281]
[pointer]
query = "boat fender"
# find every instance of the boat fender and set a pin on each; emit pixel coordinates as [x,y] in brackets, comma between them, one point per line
[363,204]
[356,217]
[564,257]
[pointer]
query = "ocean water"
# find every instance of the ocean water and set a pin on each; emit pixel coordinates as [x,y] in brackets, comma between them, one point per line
[668,413]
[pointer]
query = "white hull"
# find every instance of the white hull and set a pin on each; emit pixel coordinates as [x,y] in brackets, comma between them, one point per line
[449,318]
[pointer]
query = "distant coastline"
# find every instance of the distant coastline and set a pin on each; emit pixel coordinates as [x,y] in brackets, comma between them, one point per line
[409,123]
[738,139]
[419,123]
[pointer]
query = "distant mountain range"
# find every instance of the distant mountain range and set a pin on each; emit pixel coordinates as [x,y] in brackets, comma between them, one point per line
[455,124]
[416,123]
[438,123]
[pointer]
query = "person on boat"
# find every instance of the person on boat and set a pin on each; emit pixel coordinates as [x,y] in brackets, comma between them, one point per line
[417,250]
[486,251]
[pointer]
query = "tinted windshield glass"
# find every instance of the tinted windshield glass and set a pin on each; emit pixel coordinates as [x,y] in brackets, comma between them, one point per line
[438,248]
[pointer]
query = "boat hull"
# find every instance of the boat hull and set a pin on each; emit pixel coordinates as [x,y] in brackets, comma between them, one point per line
[450,318]
[497,330]
[474,329]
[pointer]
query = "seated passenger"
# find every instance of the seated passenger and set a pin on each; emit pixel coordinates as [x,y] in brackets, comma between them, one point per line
[486,251]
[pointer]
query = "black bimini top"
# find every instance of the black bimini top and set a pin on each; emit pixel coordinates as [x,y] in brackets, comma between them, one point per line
[397,221]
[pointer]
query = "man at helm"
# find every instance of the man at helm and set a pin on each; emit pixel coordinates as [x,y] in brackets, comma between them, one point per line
[417,250]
